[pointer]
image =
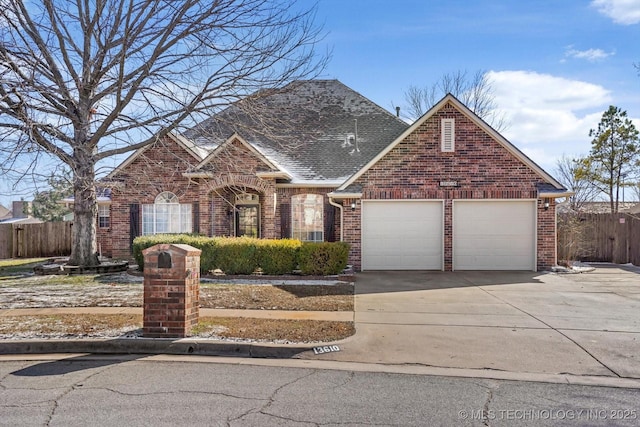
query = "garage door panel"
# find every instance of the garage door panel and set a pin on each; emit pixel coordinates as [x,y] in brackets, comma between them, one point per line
[494,235]
[402,235]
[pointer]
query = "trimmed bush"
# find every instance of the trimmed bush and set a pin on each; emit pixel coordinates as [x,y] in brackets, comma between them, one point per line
[236,255]
[244,255]
[277,256]
[323,259]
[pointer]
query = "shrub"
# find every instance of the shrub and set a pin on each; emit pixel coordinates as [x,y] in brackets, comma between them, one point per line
[236,255]
[243,255]
[277,256]
[322,259]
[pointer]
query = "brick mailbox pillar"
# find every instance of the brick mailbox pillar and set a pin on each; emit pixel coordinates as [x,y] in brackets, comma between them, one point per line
[171,290]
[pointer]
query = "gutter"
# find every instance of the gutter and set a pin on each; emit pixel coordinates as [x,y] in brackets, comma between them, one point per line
[332,203]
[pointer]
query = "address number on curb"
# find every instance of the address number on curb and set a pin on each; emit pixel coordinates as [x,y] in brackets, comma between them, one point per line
[325,349]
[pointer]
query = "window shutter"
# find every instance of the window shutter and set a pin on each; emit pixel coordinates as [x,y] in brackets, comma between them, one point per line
[196,217]
[329,223]
[285,221]
[448,135]
[134,222]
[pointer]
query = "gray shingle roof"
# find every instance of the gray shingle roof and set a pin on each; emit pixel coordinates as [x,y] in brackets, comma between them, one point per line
[317,130]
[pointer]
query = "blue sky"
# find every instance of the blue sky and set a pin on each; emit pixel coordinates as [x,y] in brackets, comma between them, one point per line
[556,65]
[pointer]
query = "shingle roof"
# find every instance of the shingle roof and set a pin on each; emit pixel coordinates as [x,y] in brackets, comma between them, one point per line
[316,129]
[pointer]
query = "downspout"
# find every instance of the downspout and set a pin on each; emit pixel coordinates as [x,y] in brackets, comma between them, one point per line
[332,203]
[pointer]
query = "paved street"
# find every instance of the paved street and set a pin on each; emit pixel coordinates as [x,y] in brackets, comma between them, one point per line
[159,391]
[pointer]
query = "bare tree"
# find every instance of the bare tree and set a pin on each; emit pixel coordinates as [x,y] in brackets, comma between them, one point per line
[475,91]
[84,80]
[568,172]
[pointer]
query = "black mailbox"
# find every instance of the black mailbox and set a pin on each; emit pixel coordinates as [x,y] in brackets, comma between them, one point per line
[164,260]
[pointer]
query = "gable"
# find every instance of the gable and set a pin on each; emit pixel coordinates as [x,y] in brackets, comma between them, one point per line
[236,156]
[171,148]
[158,167]
[418,166]
[476,150]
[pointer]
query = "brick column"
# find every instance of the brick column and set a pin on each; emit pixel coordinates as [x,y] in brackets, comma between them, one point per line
[171,290]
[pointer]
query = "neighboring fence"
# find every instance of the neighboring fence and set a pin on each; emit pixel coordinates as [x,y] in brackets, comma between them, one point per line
[35,240]
[599,237]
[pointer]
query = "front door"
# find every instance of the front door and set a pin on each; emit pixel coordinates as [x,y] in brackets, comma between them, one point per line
[247,220]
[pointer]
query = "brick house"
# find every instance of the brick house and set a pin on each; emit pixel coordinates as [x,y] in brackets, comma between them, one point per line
[320,162]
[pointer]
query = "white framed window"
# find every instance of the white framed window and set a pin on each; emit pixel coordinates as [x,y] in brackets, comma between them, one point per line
[104,216]
[166,215]
[307,217]
[448,135]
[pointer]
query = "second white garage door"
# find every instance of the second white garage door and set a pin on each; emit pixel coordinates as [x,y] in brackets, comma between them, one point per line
[402,235]
[494,235]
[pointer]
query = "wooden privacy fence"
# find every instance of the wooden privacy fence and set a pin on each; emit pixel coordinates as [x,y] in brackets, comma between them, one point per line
[599,237]
[35,240]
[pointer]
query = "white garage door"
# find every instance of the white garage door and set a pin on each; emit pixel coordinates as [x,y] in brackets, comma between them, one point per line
[494,235]
[402,235]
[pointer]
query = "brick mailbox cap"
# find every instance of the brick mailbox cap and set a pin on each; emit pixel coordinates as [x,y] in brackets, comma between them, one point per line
[176,248]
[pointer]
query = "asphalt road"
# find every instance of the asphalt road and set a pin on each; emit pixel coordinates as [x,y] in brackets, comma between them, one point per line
[143,391]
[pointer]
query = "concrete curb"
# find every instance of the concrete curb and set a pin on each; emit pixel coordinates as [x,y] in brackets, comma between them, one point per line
[154,346]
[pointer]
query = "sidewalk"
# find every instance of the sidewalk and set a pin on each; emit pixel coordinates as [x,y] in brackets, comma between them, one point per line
[339,316]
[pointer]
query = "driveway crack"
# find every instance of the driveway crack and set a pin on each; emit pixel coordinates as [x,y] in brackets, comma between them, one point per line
[553,329]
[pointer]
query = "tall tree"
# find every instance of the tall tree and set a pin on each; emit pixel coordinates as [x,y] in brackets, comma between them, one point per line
[568,172]
[85,80]
[475,91]
[614,155]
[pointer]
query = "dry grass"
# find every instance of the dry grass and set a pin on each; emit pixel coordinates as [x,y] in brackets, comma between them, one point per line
[67,325]
[273,329]
[19,288]
[119,325]
[278,297]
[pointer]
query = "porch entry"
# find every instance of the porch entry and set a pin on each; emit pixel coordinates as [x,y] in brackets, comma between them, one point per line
[247,215]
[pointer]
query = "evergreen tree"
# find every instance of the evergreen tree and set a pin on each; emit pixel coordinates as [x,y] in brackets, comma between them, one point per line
[46,204]
[614,155]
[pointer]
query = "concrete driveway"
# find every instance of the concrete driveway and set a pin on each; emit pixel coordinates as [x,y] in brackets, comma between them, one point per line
[576,324]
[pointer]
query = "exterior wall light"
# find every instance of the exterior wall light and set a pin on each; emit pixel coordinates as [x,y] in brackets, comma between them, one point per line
[353,206]
[546,204]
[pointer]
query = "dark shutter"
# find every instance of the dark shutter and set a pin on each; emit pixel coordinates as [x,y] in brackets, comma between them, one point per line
[134,222]
[329,223]
[196,217]
[285,221]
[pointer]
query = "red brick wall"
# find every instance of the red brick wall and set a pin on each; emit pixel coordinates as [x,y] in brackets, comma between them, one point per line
[159,168]
[482,167]
[234,168]
[547,249]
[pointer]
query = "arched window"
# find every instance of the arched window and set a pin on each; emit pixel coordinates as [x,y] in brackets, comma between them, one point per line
[307,217]
[166,215]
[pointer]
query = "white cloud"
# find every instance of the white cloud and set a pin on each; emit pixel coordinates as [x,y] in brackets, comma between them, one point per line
[548,115]
[625,12]
[591,55]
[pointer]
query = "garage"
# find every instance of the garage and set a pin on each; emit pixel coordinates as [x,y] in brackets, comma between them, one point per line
[402,235]
[494,235]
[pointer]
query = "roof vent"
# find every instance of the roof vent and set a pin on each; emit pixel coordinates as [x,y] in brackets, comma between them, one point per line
[349,140]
